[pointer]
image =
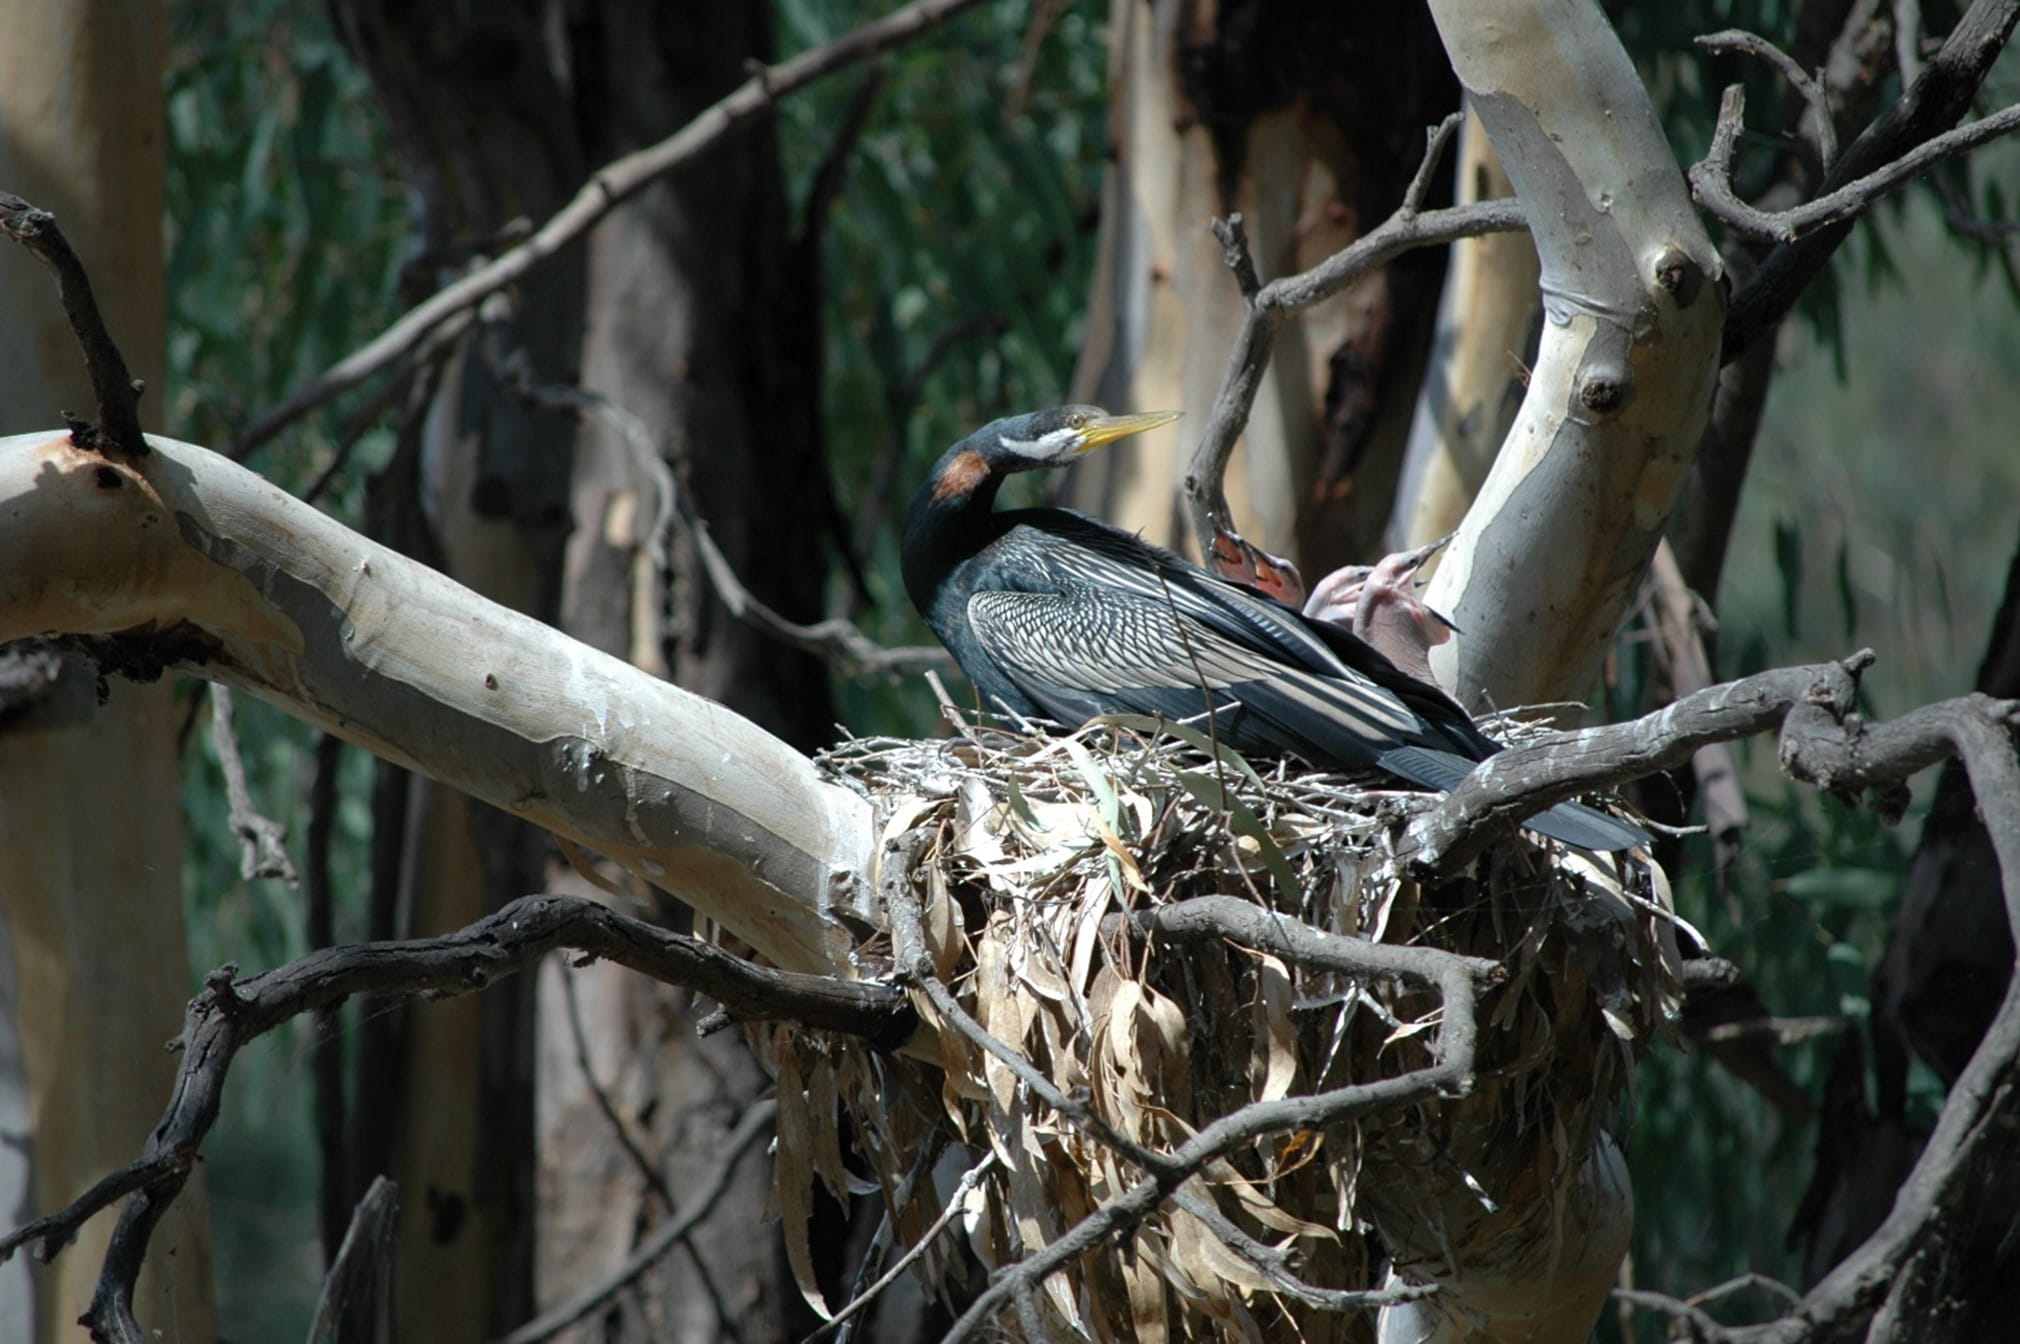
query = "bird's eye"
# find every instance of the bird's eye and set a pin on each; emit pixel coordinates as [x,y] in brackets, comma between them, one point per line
[1077,420]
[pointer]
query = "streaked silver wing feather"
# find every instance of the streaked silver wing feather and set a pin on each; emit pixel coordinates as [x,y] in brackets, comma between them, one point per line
[1133,644]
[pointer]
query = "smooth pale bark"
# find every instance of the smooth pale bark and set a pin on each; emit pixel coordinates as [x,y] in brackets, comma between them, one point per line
[1158,277]
[261,591]
[1472,385]
[91,917]
[1563,527]
[1561,534]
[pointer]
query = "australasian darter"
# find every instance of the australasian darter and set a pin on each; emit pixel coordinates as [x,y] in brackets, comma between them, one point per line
[1055,616]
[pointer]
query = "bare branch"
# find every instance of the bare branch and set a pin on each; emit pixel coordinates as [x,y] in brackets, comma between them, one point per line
[228,1014]
[1739,1283]
[1968,1120]
[969,1180]
[837,639]
[1205,478]
[1711,183]
[1808,85]
[1510,783]
[1824,745]
[1845,755]
[1277,1265]
[1704,1327]
[357,1299]
[424,365]
[1931,105]
[608,187]
[1205,918]
[117,434]
[1436,140]
[1270,304]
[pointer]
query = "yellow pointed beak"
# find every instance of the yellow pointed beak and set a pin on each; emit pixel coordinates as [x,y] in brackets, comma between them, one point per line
[1109,428]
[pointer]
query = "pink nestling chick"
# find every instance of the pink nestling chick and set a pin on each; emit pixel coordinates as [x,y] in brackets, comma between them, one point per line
[1379,604]
[1237,559]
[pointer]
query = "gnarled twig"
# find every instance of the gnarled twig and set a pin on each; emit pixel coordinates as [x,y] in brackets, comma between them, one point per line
[1409,227]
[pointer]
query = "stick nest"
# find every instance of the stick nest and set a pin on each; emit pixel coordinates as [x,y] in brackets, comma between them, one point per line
[1038,845]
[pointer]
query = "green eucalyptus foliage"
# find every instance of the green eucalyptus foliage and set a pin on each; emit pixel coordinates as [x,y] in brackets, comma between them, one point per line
[1878,511]
[285,225]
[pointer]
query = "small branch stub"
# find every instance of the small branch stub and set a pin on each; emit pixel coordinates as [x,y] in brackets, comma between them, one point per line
[117,435]
[1601,391]
[1679,276]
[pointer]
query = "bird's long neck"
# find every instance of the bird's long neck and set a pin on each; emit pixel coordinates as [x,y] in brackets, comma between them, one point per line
[948,521]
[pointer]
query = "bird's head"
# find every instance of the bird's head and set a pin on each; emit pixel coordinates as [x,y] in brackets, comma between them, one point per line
[1379,603]
[1055,437]
[1027,442]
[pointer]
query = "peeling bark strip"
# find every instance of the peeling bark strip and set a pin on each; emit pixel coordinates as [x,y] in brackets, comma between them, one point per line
[362,642]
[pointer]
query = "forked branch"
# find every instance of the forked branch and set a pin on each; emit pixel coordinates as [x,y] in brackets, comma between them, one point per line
[1270,304]
[606,188]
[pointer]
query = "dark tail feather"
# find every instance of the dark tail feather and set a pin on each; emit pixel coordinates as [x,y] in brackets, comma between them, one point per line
[1587,828]
[1573,823]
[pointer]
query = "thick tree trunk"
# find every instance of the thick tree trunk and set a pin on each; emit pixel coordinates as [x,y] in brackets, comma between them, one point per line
[705,327]
[1560,537]
[479,110]
[92,960]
